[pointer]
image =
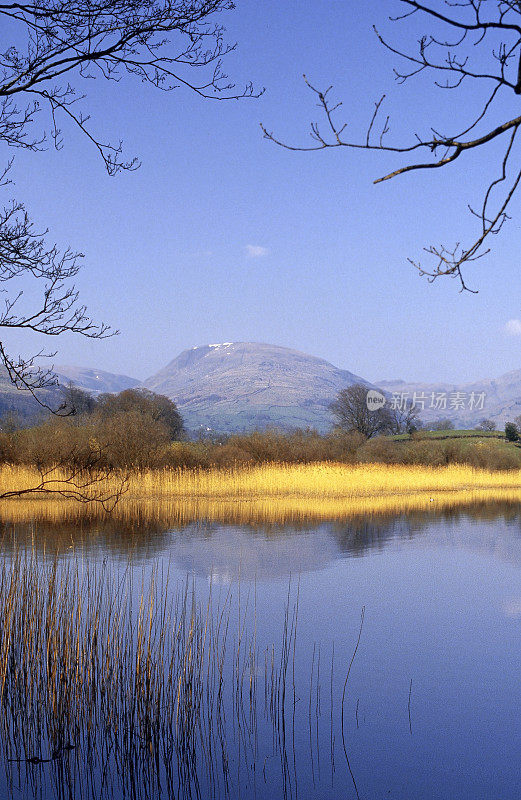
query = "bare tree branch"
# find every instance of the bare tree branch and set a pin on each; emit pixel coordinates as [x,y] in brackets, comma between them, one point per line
[486,47]
[56,47]
[79,476]
[160,41]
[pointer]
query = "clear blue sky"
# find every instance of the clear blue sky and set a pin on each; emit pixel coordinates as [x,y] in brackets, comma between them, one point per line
[167,256]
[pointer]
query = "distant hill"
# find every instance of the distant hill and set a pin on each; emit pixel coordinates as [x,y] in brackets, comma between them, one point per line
[23,406]
[243,385]
[501,401]
[95,381]
[238,386]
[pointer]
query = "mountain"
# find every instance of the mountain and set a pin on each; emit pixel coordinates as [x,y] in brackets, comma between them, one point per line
[28,411]
[498,399]
[238,386]
[95,381]
[21,404]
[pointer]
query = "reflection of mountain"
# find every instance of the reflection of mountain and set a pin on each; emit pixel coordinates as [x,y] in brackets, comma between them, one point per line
[272,551]
[224,551]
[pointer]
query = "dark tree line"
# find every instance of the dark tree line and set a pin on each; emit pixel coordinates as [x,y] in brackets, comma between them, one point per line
[120,432]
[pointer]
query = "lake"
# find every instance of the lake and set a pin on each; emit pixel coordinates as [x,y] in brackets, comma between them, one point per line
[371,657]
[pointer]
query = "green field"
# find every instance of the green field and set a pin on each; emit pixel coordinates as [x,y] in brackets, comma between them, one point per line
[482,449]
[456,434]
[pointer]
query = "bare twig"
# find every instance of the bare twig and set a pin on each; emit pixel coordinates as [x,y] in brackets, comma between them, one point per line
[472,56]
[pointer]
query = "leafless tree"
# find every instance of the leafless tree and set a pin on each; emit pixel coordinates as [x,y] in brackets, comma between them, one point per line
[486,425]
[158,408]
[404,418]
[442,424]
[50,51]
[352,413]
[465,41]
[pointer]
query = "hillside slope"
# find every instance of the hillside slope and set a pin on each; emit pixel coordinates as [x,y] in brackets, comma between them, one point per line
[501,399]
[238,386]
[95,381]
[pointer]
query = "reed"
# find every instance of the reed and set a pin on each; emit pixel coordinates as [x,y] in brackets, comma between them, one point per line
[273,493]
[320,480]
[140,689]
[316,481]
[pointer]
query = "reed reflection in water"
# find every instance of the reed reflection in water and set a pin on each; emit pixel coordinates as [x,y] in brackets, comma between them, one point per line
[132,514]
[120,677]
[113,689]
[260,545]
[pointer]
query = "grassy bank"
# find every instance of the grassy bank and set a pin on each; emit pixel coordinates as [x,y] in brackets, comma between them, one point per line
[458,433]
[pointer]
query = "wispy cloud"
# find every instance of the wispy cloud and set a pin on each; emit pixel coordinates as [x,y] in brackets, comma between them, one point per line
[512,608]
[256,251]
[513,327]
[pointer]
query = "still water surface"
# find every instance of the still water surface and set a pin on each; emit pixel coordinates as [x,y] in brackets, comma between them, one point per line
[432,704]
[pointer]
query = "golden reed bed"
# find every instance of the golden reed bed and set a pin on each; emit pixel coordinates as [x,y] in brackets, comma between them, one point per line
[272,493]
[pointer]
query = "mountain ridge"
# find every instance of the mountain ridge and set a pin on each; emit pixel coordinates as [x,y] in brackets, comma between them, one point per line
[238,386]
[289,392]
[96,381]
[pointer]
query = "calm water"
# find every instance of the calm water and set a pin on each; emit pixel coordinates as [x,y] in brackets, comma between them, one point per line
[432,705]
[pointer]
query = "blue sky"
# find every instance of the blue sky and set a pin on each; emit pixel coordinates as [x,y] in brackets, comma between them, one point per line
[222,236]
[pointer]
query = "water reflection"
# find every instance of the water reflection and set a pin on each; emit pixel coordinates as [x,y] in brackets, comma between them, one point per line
[268,550]
[431,707]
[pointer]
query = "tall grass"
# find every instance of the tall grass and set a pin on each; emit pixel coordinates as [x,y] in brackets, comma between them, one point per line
[321,480]
[108,689]
[119,690]
[317,481]
[274,493]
